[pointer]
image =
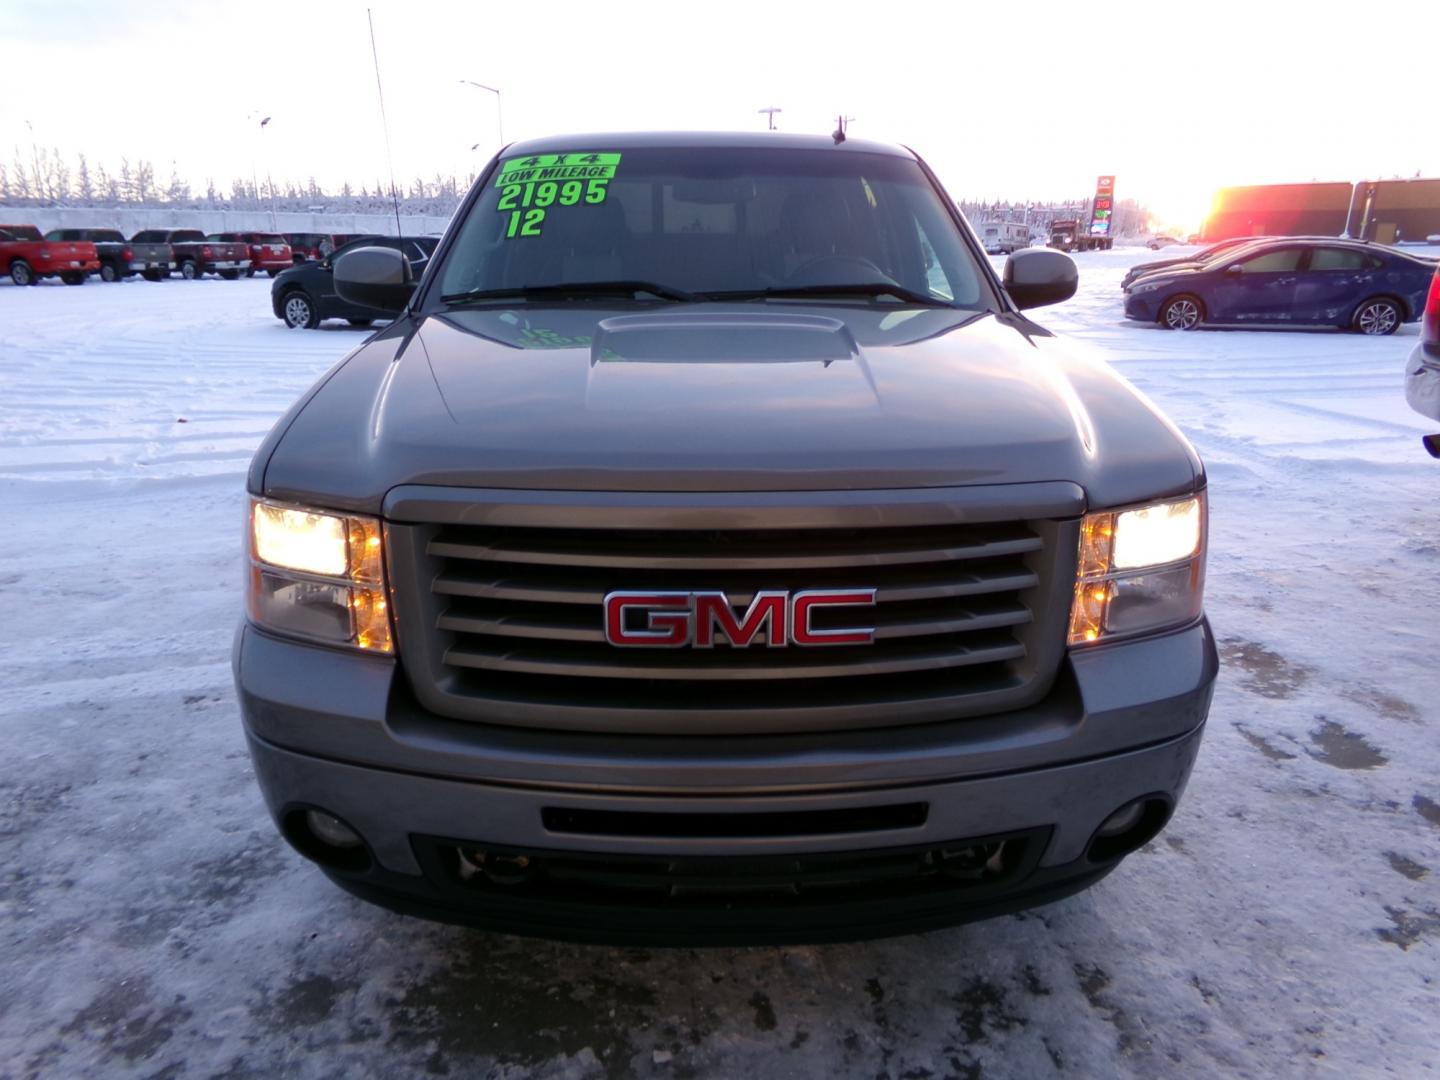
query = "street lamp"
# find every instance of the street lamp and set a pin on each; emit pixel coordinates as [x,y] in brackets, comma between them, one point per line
[269,180]
[770,112]
[499,118]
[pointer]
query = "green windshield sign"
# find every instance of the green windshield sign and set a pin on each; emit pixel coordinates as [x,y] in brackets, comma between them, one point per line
[530,185]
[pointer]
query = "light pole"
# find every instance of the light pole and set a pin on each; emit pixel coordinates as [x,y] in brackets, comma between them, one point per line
[268,179]
[770,112]
[499,116]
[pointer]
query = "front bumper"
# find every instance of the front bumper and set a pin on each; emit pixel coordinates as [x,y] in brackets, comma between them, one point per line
[340,732]
[1422,382]
[1142,306]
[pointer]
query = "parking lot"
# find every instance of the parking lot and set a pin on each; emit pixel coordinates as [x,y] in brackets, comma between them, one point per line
[152,922]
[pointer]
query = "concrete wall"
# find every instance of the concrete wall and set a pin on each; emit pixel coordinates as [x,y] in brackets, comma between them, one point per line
[130,220]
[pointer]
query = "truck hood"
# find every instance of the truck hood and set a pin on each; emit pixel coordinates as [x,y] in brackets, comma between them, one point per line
[712,397]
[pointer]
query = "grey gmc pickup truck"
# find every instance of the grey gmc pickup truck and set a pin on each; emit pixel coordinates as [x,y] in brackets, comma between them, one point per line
[712,551]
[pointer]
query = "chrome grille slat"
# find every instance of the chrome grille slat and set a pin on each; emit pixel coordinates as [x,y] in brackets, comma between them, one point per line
[718,663]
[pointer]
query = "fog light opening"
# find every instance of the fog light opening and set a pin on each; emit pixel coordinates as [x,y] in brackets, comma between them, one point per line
[326,839]
[501,869]
[1129,828]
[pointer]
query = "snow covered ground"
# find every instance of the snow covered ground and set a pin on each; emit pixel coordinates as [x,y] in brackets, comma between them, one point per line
[152,922]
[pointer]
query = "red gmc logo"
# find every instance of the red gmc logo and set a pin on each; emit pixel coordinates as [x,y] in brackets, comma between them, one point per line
[674,620]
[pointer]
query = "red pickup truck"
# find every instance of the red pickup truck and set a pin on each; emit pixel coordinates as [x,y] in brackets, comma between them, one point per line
[28,257]
[195,256]
[268,251]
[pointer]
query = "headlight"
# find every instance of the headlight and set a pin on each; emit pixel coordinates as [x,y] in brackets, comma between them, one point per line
[318,575]
[1140,570]
[1146,286]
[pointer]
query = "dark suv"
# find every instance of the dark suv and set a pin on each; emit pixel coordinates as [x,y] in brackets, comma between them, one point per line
[712,550]
[304,295]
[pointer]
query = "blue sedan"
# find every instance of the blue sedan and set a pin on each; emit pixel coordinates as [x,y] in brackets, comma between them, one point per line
[1349,284]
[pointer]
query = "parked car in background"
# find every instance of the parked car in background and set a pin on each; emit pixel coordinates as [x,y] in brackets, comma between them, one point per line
[1288,282]
[119,258]
[305,247]
[268,251]
[196,256]
[1155,243]
[27,256]
[304,295]
[1422,370]
[1199,257]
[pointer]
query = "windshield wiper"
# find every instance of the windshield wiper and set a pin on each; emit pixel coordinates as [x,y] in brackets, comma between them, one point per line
[873,290]
[576,290]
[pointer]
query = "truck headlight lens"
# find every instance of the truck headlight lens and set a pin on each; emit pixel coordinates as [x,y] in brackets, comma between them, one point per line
[1140,570]
[318,575]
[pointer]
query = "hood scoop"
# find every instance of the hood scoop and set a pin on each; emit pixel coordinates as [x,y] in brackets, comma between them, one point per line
[760,337]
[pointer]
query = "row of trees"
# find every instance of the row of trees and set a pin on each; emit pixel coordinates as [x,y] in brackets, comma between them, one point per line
[46,178]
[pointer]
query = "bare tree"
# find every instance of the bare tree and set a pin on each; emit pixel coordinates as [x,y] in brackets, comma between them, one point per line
[20,183]
[177,190]
[107,185]
[57,177]
[84,186]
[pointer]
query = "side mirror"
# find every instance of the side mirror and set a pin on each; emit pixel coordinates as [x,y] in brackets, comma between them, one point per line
[1036,277]
[1236,268]
[376,277]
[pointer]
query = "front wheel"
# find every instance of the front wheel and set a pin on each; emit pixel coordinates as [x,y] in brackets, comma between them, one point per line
[189,270]
[73,277]
[153,275]
[273,273]
[1378,316]
[360,322]
[1181,313]
[230,275]
[22,273]
[299,311]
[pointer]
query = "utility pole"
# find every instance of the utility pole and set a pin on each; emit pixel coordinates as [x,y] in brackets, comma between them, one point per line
[769,112]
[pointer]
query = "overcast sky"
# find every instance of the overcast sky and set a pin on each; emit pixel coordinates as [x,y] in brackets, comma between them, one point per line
[1015,100]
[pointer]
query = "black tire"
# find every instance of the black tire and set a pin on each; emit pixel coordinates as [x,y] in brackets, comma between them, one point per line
[22,273]
[360,322]
[154,275]
[273,273]
[109,272]
[190,270]
[1183,312]
[249,271]
[230,275]
[73,277]
[297,308]
[1377,316]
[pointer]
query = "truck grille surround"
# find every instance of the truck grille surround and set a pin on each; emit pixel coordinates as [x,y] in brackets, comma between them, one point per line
[504,624]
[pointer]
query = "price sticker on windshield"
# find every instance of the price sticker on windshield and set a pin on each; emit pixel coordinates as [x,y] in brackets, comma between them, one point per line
[530,185]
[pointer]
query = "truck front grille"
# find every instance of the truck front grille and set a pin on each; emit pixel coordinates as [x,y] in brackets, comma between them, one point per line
[505,624]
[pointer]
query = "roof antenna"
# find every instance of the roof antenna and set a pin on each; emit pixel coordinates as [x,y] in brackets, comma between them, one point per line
[839,133]
[385,126]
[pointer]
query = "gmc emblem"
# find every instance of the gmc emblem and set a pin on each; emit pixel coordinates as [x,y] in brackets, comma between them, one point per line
[674,620]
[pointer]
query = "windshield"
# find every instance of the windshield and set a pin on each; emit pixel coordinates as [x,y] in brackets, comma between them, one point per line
[706,221]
